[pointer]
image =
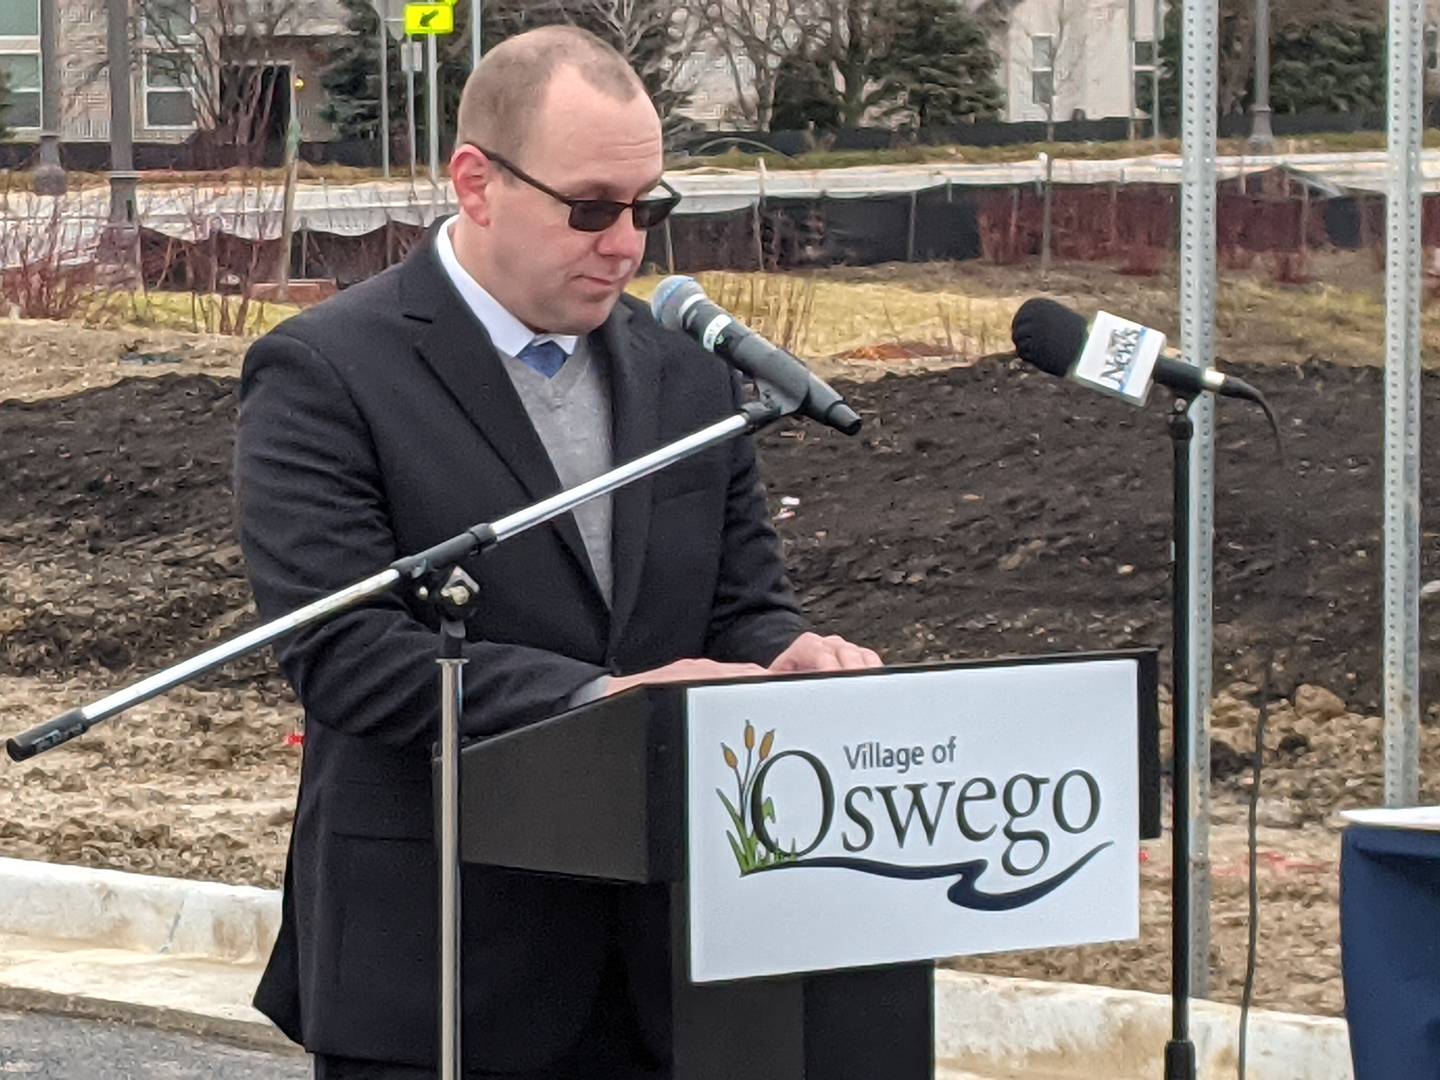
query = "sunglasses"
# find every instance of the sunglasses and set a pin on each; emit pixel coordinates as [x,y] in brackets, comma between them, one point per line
[597,215]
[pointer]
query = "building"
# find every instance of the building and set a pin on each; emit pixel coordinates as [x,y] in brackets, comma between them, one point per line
[1083,58]
[195,63]
[1078,59]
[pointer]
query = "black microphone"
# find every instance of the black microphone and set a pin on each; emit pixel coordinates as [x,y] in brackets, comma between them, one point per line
[681,304]
[1112,355]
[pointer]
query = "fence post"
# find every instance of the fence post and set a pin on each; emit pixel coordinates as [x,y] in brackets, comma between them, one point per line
[1197,333]
[1401,659]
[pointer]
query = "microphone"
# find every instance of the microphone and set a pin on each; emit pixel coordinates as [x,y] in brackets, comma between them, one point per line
[1112,355]
[681,304]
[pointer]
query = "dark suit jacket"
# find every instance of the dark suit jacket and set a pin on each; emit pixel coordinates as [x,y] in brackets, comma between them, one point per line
[378,424]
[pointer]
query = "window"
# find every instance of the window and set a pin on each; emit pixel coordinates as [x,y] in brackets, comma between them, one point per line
[22,77]
[1146,57]
[169,102]
[20,18]
[169,20]
[1042,68]
[1432,53]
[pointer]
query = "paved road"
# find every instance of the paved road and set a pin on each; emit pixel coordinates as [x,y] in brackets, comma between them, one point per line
[37,1046]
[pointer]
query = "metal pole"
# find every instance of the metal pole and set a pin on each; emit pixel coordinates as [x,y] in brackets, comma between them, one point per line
[1157,34]
[384,97]
[49,173]
[1197,333]
[1131,128]
[410,99]
[1180,1051]
[432,107]
[475,34]
[1262,139]
[122,123]
[1401,663]
[452,706]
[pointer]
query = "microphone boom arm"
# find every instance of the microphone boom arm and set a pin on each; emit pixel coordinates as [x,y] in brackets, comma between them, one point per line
[416,568]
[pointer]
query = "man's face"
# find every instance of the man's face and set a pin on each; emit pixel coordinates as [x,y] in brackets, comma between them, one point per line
[585,145]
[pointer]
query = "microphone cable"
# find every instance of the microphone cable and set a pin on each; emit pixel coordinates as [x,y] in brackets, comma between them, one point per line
[1282,538]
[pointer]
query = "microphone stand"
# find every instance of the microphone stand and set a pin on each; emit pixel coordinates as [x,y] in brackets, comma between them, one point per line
[437,579]
[1180,1050]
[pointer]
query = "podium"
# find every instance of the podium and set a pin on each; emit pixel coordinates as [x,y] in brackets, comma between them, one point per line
[815,842]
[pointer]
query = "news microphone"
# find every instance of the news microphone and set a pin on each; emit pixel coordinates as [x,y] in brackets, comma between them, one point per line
[1112,355]
[681,304]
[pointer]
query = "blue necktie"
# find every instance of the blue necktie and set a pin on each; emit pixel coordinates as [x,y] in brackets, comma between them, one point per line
[546,357]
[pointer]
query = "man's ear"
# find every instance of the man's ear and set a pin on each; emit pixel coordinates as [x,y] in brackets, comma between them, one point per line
[472,174]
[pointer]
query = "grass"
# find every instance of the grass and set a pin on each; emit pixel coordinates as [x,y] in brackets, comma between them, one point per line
[820,315]
[844,319]
[195,313]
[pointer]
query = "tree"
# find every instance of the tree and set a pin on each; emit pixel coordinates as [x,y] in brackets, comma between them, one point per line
[352,79]
[1339,43]
[654,36]
[941,69]
[650,34]
[862,41]
[219,51]
[805,95]
[757,38]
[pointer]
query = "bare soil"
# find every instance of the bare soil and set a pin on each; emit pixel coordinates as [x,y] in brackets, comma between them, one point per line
[985,510]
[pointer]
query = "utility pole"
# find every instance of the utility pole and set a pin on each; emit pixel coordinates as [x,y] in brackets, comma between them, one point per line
[432,108]
[122,125]
[49,173]
[384,96]
[475,42]
[410,47]
[1158,35]
[1132,129]
[1262,139]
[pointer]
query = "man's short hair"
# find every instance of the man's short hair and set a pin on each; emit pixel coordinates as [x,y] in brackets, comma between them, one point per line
[503,93]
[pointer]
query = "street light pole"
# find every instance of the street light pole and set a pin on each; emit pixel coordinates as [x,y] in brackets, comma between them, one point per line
[475,41]
[122,124]
[384,95]
[1262,139]
[49,173]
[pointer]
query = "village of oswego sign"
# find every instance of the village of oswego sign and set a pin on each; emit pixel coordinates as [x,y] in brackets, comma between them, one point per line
[844,821]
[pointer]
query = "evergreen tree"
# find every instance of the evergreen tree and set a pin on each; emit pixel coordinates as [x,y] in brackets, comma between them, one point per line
[941,69]
[805,95]
[1327,56]
[1328,68]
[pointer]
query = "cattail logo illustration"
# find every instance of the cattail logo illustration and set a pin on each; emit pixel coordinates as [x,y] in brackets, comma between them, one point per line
[750,854]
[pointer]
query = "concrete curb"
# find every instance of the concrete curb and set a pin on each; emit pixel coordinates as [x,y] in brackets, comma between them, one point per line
[186,955]
[1064,1030]
[168,916]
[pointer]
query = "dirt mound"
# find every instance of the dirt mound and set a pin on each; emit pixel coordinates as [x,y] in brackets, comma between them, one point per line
[983,511]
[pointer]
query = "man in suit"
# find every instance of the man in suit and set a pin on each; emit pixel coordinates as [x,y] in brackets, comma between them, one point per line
[499,363]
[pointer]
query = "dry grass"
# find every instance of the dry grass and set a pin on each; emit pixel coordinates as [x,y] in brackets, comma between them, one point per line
[826,320]
[1339,316]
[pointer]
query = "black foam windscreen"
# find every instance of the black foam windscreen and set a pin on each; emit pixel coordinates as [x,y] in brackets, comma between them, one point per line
[1048,335]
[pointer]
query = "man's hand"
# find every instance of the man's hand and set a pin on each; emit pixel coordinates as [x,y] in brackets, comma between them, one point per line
[683,671]
[811,652]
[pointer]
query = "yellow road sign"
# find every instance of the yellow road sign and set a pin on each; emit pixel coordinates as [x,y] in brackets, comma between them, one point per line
[429,18]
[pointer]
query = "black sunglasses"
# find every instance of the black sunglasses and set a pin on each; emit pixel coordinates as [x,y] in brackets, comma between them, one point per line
[597,215]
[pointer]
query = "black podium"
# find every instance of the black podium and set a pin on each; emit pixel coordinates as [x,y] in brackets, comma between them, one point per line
[620,765]
[600,792]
